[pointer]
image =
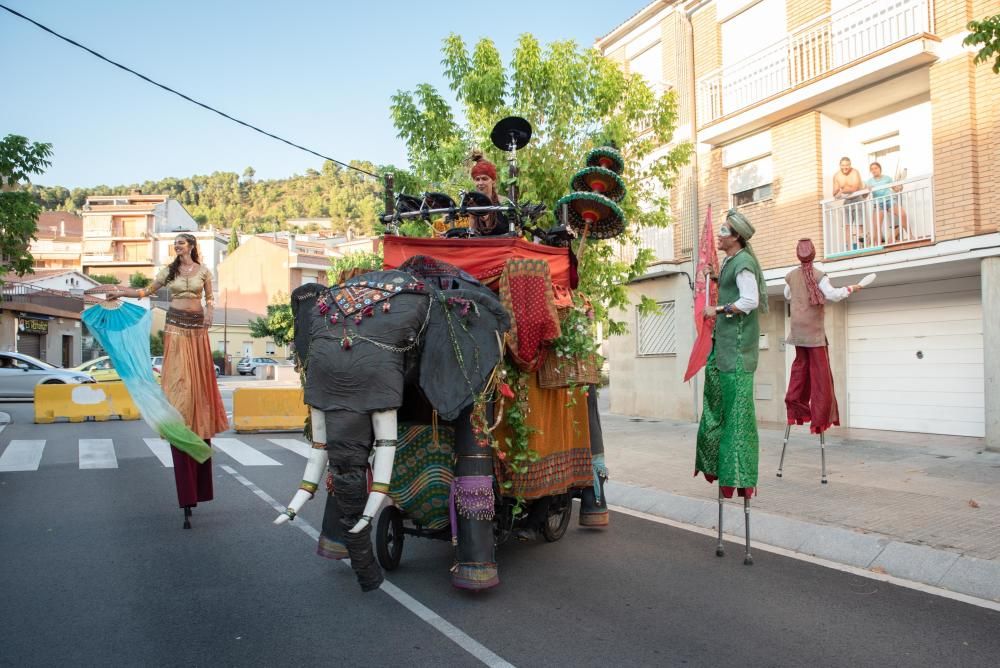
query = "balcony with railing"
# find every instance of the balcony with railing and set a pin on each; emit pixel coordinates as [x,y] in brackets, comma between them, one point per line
[893,215]
[25,294]
[659,239]
[815,49]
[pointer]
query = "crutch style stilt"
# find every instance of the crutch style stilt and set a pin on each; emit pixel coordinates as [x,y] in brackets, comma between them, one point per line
[747,558]
[720,550]
[822,454]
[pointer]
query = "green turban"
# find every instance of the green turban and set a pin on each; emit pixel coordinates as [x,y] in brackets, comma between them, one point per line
[739,224]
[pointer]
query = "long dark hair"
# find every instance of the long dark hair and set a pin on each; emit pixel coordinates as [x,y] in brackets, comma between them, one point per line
[175,266]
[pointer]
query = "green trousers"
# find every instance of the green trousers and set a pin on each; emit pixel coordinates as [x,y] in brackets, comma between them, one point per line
[728,446]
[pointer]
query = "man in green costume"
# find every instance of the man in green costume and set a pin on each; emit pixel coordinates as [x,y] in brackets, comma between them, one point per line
[727,447]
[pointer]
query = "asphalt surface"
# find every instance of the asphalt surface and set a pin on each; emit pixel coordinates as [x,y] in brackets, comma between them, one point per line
[97,571]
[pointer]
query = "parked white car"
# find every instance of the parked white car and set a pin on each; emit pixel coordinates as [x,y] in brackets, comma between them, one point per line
[157,364]
[20,373]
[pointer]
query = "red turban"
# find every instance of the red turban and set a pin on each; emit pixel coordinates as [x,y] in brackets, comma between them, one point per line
[484,167]
[805,251]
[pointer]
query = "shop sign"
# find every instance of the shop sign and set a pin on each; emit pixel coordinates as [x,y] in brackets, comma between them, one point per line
[32,326]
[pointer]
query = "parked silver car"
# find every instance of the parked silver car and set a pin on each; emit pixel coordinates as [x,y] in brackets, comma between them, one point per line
[20,373]
[248,365]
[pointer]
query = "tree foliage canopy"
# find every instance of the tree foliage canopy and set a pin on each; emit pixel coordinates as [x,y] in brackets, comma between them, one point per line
[19,159]
[987,34]
[226,200]
[278,324]
[575,99]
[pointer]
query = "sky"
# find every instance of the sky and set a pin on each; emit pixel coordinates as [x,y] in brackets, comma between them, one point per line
[317,72]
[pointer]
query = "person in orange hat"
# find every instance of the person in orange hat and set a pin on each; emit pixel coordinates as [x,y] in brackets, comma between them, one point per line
[484,175]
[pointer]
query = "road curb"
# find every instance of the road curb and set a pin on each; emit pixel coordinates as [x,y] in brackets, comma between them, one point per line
[944,569]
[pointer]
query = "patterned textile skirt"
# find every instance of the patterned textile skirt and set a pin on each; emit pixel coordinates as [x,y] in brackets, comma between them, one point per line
[728,447]
[188,381]
[561,439]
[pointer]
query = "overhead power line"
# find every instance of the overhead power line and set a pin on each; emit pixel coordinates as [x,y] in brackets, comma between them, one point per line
[182,95]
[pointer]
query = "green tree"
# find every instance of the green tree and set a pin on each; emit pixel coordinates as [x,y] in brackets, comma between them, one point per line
[234,239]
[156,343]
[278,324]
[987,34]
[360,260]
[139,280]
[19,159]
[106,279]
[575,100]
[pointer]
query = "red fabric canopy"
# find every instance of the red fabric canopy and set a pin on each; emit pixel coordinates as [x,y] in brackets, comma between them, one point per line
[483,258]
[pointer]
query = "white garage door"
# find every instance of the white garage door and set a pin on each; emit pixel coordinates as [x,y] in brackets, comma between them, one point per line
[915,358]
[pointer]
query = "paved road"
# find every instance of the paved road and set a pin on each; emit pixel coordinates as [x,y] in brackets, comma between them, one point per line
[98,571]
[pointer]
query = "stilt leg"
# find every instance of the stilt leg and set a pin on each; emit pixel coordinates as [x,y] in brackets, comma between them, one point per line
[720,550]
[187,515]
[822,457]
[784,444]
[748,559]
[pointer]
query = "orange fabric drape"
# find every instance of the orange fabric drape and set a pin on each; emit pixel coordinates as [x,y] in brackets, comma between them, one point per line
[561,439]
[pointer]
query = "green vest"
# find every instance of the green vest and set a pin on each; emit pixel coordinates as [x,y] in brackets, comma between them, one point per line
[736,336]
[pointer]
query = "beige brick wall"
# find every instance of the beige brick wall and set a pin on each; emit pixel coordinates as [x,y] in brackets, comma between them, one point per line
[798,12]
[987,92]
[951,16]
[957,206]
[707,42]
[793,212]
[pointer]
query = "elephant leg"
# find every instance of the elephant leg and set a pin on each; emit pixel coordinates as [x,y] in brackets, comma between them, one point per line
[331,544]
[473,511]
[593,503]
[349,442]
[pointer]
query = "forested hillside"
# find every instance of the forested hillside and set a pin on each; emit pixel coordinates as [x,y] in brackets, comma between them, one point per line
[227,199]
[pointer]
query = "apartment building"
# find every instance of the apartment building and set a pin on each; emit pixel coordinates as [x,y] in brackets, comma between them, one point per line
[58,242]
[774,93]
[125,234]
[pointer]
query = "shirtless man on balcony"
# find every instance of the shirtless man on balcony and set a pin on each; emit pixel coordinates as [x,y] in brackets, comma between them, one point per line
[846,182]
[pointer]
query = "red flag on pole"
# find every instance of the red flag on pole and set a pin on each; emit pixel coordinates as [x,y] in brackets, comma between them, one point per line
[705,292]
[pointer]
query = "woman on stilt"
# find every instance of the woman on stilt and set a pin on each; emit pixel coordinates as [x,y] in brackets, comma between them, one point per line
[188,373]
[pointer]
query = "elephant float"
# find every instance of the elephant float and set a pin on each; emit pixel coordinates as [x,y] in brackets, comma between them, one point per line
[359,343]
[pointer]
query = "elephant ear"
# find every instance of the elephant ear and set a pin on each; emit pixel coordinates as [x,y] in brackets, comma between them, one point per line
[303,299]
[460,347]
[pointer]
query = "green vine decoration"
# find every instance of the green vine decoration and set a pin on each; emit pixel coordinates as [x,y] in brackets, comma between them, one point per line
[518,453]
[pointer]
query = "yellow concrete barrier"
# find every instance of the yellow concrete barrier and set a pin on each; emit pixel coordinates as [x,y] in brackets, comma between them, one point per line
[268,409]
[89,401]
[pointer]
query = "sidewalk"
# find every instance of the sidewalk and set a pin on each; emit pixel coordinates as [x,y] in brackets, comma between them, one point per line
[916,506]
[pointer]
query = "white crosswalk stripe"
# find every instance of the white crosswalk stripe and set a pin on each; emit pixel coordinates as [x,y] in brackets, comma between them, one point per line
[161,449]
[293,444]
[243,453]
[22,455]
[97,453]
[100,453]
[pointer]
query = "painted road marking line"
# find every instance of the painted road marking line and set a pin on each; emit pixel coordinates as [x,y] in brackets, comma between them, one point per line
[22,455]
[293,444]
[243,453]
[161,449]
[853,570]
[447,629]
[97,453]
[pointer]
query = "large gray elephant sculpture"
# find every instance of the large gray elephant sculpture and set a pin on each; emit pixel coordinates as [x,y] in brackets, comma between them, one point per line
[358,343]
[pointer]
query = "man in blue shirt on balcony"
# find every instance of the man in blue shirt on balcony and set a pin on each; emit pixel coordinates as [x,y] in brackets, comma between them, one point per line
[883,199]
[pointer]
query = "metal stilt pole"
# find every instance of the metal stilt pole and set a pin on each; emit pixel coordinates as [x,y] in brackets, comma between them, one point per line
[784,444]
[822,457]
[720,550]
[748,559]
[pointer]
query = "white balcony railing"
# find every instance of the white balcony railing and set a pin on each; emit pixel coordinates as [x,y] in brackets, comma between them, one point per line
[865,223]
[659,239]
[815,48]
